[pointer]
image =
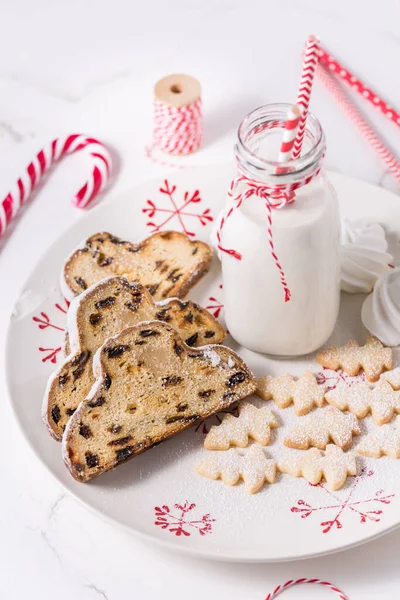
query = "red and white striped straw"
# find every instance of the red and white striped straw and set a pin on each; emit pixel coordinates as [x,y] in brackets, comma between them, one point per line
[281,588]
[289,133]
[333,65]
[101,170]
[304,94]
[328,79]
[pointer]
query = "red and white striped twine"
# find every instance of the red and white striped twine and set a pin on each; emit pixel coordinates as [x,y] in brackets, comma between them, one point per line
[270,194]
[281,588]
[44,160]
[177,130]
[327,78]
[333,65]
[304,94]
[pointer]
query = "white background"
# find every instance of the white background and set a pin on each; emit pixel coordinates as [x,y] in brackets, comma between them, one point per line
[89,66]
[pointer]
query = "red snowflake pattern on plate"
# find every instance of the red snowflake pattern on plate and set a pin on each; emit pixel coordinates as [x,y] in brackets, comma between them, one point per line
[181,212]
[216,305]
[332,378]
[339,504]
[183,522]
[44,322]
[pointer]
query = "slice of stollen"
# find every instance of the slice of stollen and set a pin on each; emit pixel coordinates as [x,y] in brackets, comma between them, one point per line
[167,263]
[149,386]
[100,312]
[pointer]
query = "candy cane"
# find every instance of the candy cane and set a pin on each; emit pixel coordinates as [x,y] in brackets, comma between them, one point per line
[281,588]
[44,160]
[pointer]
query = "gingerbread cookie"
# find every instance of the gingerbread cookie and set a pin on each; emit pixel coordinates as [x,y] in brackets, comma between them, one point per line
[322,427]
[333,465]
[252,423]
[382,400]
[385,441]
[373,358]
[305,393]
[252,466]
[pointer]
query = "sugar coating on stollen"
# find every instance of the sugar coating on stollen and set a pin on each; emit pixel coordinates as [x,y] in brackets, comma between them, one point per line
[252,423]
[384,441]
[252,466]
[305,393]
[323,426]
[360,399]
[373,358]
[313,464]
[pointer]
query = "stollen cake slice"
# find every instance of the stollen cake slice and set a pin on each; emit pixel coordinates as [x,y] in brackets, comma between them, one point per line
[149,386]
[100,312]
[167,263]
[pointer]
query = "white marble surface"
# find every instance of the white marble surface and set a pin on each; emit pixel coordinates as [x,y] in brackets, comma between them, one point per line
[85,65]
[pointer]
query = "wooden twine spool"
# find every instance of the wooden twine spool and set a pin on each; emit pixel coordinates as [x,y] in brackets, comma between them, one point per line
[178,125]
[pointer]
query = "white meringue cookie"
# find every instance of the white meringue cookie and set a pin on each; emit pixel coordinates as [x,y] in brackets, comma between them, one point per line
[364,255]
[380,312]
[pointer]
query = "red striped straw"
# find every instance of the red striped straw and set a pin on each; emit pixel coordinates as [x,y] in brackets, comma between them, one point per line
[289,133]
[333,65]
[328,79]
[304,94]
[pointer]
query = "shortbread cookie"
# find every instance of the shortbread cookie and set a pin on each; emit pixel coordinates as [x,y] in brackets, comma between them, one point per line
[322,427]
[373,358]
[382,400]
[231,466]
[166,263]
[252,423]
[393,377]
[305,393]
[149,386]
[333,465]
[384,441]
[100,312]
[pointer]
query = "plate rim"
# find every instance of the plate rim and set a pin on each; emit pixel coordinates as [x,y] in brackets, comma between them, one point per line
[207,553]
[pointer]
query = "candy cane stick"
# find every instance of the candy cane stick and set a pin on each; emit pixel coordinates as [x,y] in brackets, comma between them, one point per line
[44,160]
[334,87]
[281,588]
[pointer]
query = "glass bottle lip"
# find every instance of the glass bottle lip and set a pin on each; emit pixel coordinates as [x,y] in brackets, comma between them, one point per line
[257,166]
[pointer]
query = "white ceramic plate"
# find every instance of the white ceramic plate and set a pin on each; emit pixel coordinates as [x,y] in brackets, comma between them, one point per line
[157,494]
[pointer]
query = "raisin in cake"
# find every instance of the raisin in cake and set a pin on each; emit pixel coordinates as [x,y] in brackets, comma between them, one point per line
[149,386]
[167,263]
[101,312]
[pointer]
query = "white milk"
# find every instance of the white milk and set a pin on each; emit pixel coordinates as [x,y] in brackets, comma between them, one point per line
[306,239]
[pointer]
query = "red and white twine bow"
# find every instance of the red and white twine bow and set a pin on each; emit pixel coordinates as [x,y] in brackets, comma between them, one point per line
[44,160]
[177,130]
[275,197]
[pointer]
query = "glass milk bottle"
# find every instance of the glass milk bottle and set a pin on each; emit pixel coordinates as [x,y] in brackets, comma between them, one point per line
[282,296]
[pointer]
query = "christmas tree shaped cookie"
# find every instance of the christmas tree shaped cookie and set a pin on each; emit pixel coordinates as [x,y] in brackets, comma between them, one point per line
[382,400]
[373,358]
[322,427]
[253,467]
[385,441]
[305,393]
[252,423]
[333,465]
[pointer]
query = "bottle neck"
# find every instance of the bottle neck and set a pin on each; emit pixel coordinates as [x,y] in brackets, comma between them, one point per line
[257,147]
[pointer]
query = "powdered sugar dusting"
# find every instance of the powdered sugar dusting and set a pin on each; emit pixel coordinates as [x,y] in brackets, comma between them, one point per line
[252,422]
[213,357]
